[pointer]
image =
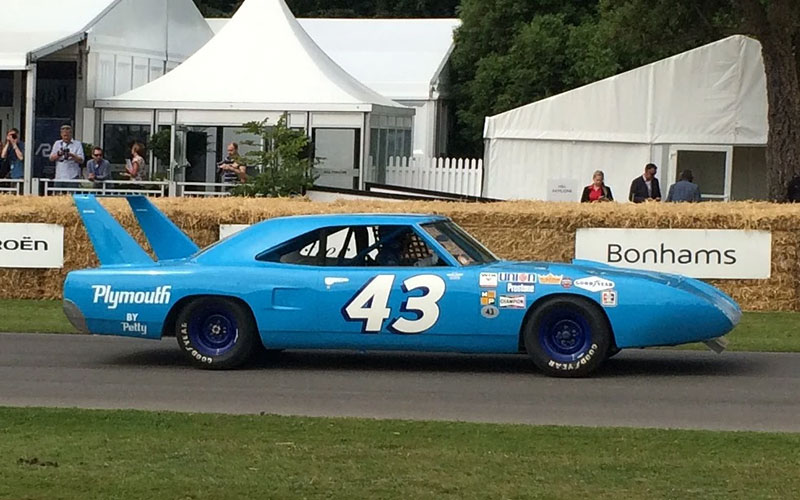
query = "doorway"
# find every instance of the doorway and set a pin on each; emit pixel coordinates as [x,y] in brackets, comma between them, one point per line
[711,167]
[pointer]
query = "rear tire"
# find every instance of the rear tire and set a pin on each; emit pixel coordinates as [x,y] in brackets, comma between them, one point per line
[216,333]
[567,337]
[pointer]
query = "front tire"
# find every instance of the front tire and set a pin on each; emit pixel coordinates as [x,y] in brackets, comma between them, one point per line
[567,337]
[216,333]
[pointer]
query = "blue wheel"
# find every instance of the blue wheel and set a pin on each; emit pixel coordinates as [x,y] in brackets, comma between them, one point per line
[567,336]
[216,332]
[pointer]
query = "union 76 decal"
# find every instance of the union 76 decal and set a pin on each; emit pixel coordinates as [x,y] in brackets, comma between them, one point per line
[371,304]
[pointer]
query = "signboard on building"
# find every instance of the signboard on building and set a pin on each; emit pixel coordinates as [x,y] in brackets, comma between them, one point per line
[24,245]
[699,253]
[563,190]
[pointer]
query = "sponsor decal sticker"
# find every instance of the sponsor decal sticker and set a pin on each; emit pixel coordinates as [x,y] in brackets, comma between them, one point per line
[488,297]
[488,280]
[609,298]
[520,288]
[594,284]
[513,302]
[550,279]
[455,276]
[518,277]
[104,294]
[566,283]
[490,312]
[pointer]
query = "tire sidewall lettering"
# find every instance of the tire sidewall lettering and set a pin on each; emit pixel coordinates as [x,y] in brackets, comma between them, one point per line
[576,364]
[186,341]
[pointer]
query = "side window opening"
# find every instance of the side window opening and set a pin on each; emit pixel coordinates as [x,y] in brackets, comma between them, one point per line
[356,246]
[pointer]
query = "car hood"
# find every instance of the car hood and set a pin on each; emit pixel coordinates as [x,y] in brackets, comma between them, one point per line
[582,268]
[585,268]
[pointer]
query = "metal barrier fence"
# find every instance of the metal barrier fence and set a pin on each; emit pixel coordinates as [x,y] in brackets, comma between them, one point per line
[11,186]
[53,187]
[202,189]
[50,187]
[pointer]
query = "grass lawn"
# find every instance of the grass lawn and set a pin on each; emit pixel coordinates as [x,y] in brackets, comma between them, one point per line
[81,454]
[758,331]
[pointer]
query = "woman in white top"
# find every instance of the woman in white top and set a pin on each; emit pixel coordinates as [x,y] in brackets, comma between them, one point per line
[137,166]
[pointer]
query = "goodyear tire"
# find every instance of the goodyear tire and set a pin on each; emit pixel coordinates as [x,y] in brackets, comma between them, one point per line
[216,333]
[567,337]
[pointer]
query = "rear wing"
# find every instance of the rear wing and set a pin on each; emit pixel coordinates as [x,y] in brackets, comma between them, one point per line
[114,246]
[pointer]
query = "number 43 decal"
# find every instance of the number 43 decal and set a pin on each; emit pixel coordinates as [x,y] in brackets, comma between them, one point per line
[370,305]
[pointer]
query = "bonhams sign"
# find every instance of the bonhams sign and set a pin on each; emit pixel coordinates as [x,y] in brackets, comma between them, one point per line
[699,253]
[31,245]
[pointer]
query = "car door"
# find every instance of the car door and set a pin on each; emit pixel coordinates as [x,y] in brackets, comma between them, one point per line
[381,303]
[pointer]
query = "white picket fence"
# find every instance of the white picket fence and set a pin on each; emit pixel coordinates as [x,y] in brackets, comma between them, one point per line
[446,175]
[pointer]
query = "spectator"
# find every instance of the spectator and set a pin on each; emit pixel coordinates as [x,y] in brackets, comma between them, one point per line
[597,190]
[231,169]
[646,187]
[684,189]
[68,155]
[98,169]
[12,154]
[136,166]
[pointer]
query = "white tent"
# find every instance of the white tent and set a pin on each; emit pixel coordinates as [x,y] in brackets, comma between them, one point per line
[111,54]
[402,59]
[261,60]
[260,65]
[691,110]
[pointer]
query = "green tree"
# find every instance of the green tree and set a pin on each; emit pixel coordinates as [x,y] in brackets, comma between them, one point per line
[776,24]
[283,157]
[512,52]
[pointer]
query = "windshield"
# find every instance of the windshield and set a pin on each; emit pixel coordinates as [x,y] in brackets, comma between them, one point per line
[463,247]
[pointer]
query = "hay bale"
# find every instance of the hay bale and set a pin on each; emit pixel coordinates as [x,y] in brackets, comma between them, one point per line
[519,230]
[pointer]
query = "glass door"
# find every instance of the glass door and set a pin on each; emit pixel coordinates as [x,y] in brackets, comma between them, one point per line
[711,167]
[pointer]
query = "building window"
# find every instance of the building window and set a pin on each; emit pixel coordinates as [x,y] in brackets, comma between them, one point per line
[118,139]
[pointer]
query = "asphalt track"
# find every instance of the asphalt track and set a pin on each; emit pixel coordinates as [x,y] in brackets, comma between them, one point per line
[652,388]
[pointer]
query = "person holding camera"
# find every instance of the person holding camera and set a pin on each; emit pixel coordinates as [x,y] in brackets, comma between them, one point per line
[231,170]
[12,154]
[68,155]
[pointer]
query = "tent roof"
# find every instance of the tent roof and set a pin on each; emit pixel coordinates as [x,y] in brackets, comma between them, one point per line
[399,58]
[714,94]
[261,60]
[34,28]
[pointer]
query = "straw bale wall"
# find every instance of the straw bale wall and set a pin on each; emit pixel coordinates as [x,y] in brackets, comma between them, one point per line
[519,230]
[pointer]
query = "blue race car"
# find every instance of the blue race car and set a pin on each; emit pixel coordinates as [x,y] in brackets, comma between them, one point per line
[374,282]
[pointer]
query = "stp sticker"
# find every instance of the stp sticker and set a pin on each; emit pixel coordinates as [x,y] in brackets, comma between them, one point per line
[609,298]
[488,280]
[594,284]
[566,282]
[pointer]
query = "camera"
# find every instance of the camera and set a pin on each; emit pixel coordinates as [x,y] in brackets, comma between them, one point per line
[64,152]
[14,135]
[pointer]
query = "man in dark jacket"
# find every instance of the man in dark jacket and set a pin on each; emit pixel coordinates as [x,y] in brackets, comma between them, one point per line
[645,187]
